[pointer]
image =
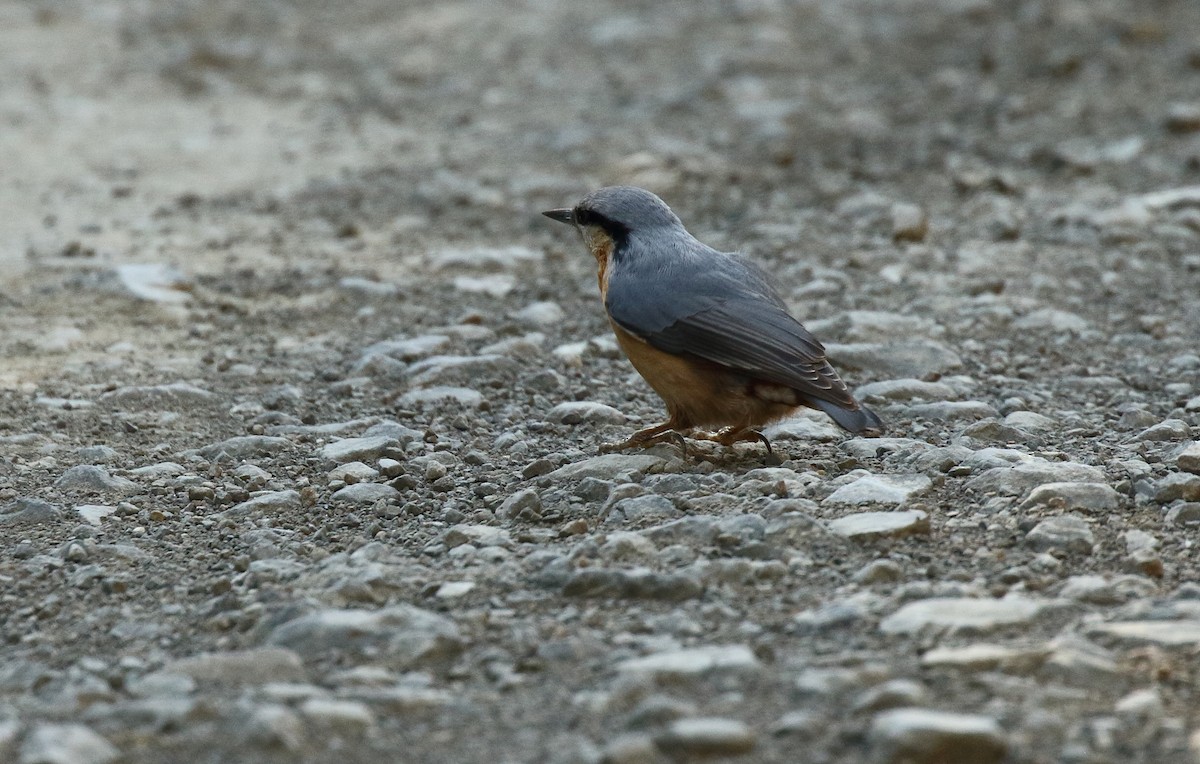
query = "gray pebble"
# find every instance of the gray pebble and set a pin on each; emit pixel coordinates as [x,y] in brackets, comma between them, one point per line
[523,501]
[880,489]
[462,396]
[65,744]
[1064,532]
[358,449]
[399,635]
[29,512]
[268,503]
[575,412]
[926,736]
[962,614]
[631,584]
[89,478]
[366,493]
[1092,497]
[706,737]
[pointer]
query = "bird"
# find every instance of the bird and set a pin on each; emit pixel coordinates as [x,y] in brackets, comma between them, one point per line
[706,329]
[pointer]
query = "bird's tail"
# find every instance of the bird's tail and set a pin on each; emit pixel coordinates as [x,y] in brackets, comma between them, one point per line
[861,421]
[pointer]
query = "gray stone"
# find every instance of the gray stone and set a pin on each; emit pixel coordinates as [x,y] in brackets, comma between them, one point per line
[354,472]
[879,572]
[153,282]
[909,222]
[1169,429]
[607,467]
[1185,513]
[706,737]
[639,509]
[341,717]
[462,396]
[948,410]
[255,666]
[914,358]
[94,513]
[1163,633]
[408,348]
[1188,458]
[174,395]
[477,535]
[962,614]
[1030,421]
[368,287]
[694,661]
[244,447]
[399,635]
[88,478]
[873,326]
[880,489]
[984,657]
[65,744]
[1176,486]
[96,454]
[1053,319]
[1091,497]
[1021,478]
[1066,533]
[898,693]
[805,428]
[575,412]
[927,736]
[390,429]
[28,512]
[905,389]
[526,500]
[271,503]
[870,525]
[366,493]
[540,314]
[358,449]
[637,583]
[991,431]
[455,369]
[272,726]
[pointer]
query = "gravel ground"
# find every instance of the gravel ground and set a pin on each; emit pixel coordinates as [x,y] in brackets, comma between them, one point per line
[301,399]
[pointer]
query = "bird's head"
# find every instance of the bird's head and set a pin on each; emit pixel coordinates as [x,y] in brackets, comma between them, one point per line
[610,216]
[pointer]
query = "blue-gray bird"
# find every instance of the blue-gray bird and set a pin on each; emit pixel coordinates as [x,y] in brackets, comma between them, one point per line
[706,329]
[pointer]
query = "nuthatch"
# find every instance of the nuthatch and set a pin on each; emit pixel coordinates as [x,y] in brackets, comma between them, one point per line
[706,329]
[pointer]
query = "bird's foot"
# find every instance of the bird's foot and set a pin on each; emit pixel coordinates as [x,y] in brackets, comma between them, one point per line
[646,438]
[730,435]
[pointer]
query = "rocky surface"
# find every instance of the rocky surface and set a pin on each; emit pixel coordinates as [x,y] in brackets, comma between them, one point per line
[301,400]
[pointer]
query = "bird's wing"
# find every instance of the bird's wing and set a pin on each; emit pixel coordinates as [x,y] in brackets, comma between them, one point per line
[726,319]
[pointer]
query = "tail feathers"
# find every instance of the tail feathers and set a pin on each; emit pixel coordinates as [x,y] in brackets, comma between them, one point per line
[861,421]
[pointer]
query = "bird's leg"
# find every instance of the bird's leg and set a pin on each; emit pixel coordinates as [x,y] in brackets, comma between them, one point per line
[644,438]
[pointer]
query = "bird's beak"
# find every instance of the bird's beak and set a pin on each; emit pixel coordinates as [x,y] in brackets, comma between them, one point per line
[566,215]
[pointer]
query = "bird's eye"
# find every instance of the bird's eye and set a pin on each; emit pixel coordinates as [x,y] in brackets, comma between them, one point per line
[584,217]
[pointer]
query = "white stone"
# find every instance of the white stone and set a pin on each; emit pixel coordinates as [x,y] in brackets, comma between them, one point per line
[693,661]
[926,736]
[154,282]
[366,493]
[1163,633]
[1095,497]
[94,513]
[574,412]
[65,744]
[357,449]
[866,525]
[964,614]
[880,489]
[462,396]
